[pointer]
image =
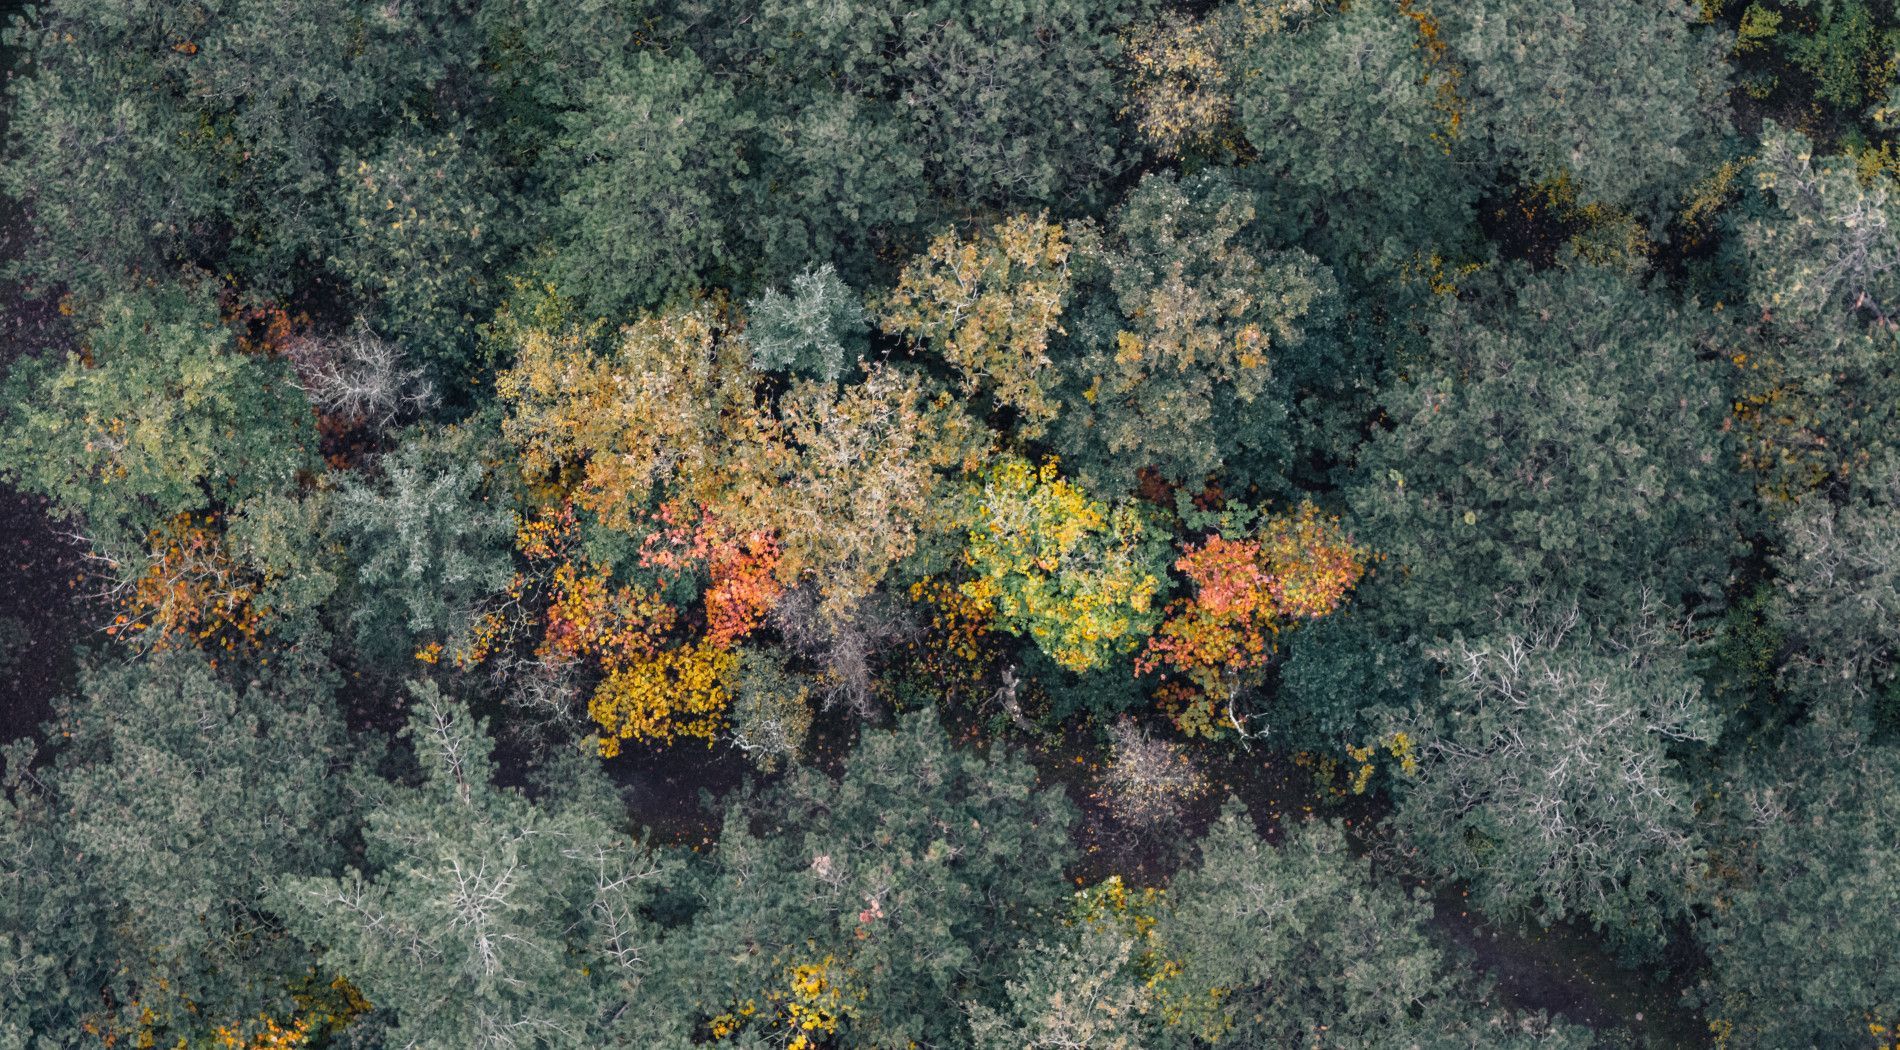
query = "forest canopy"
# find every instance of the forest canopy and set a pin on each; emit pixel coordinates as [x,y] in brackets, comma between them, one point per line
[1037,524]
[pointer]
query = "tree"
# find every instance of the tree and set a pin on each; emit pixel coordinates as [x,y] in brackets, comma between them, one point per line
[1551,780]
[484,918]
[1004,106]
[1628,99]
[1275,945]
[832,174]
[429,536]
[1076,575]
[1563,442]
[180,798]
[1296,567]
[646,168]
[433,229]
[1075,992]
[817,331]
[210,132]
[615,428]
[1817,386]
[1806,875]
[161,416]
[853,481]
[873,904]
[1169,362]
[1360,122]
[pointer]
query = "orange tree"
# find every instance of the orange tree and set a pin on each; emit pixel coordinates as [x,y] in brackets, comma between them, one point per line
[1293,567]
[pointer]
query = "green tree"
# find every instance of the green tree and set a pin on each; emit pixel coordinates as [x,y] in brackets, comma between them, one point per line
[1818,390]
[818,330]
[160,416]
[1073,992]
[430,535]
[1563,442]
[1549,778]
[138,903]
[831,175]
[482,918]
[1005,105]
[877,902]
[1808,882]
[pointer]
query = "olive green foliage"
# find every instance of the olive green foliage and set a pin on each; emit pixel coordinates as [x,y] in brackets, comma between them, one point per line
[1004,103]
[159,416]
[1170,365]
[1080,992]
[141,856]
[1564,442]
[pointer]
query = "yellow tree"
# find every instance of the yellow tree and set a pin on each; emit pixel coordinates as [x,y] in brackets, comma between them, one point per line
[988,305]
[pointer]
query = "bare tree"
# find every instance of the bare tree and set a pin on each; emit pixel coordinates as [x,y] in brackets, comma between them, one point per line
[361,377]
[1148,783]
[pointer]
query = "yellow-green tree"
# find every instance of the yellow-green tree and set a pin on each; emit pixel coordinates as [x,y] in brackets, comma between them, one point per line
[1078,576]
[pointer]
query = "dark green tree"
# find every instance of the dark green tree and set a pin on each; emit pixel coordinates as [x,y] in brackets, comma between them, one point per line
[1807,882]
[1359,125]
[1624,99]
[647,166]
[136,894]
[158,133]
[882,900]
[1564,442]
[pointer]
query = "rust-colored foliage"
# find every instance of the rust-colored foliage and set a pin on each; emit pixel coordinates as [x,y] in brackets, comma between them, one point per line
[191,591]
[742,570]
[1296,567]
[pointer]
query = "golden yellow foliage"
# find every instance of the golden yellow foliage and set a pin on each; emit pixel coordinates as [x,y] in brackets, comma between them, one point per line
[988,305]
[677,692]
[610,427]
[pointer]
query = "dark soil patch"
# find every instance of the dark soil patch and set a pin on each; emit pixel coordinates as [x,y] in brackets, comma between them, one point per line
[41,619]
[1568,970]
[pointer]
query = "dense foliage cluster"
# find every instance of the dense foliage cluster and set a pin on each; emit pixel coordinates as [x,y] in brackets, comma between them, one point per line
[1051,524]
